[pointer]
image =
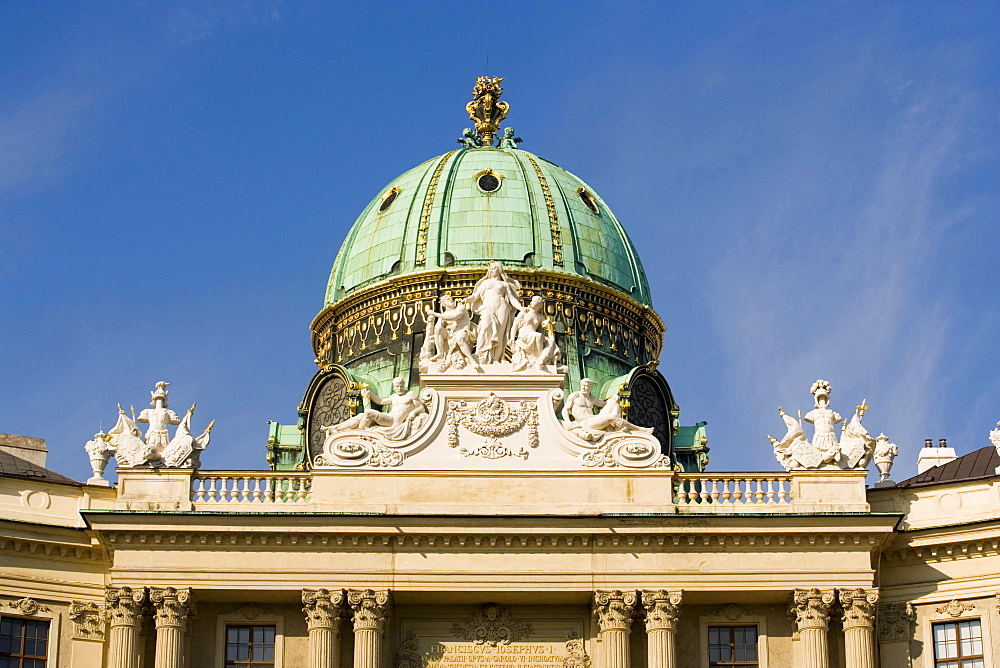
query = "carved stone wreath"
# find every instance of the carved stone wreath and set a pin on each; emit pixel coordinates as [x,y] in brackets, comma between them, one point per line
[955,608]
[492,417]
[26,606]
[492,624]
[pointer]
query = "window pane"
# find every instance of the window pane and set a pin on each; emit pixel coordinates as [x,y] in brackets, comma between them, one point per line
[945,641]
[974,663]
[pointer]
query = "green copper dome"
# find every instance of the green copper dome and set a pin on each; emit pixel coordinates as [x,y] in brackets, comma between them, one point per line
[471,206]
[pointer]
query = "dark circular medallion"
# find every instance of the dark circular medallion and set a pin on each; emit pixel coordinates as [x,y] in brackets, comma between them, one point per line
[488,183]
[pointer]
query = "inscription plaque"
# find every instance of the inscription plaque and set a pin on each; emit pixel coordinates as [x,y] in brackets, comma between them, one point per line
[492,635]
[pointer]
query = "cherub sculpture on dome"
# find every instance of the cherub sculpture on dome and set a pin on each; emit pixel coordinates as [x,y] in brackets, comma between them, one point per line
[578,415]
[406,415]
[795,452]
[508,140]
[157,449]
[470,139]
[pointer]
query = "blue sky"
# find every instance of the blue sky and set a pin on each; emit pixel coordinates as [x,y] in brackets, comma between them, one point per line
[812,187]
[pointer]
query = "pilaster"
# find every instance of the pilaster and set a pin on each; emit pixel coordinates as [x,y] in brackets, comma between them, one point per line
[662,610]
[125,609]
[322,609]
[372,610]
[811,608]
[613,610]
[172,610]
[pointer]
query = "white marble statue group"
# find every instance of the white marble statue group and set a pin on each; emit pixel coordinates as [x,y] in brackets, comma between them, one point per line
[156,449]
[854,450]
[454,340]
[505,328]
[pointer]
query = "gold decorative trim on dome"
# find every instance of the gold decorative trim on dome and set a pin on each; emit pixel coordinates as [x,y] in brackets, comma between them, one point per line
[597,316]
[425,215]
[486,108]
[550,206]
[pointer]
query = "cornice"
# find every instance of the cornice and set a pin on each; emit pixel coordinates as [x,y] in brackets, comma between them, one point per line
[542,541]
[43,548]
[944,551]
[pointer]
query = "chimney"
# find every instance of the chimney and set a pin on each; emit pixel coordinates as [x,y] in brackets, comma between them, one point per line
[25,447]
[931,456]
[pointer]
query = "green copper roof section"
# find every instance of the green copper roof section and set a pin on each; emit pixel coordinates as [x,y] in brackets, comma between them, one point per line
[440,217]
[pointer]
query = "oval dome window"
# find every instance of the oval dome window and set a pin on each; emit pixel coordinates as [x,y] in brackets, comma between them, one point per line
[588,200]
[389,199]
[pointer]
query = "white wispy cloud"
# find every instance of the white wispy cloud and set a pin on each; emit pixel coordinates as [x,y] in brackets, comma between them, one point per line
[810,293]
[33,137]
[197,21]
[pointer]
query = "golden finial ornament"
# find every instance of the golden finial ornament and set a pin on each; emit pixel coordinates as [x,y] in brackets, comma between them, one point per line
[486,108]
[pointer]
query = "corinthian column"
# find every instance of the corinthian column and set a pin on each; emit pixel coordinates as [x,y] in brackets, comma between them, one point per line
[811,608]
[371,614]
[859,626]
[614,616]
[322,611]
[662,609]
[125,607]
[173,608]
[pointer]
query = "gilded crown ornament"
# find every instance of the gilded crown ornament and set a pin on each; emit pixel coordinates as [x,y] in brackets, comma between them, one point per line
[486,108]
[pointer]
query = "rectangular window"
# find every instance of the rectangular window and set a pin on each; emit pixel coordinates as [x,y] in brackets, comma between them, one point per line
[958,645]
[249,646]
[24,643]
[732,646]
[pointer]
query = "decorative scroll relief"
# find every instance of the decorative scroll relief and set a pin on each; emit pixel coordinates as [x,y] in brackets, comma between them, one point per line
[382,439]
[492,624]
[492,417]
[955,608]
[605,438]
[28,607]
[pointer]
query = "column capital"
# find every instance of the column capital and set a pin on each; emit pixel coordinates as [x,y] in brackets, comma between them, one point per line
[125,606]
[859,607]
[172,607]
[662,608]
[614,609]
[811,608]
[322,608]
[372,608]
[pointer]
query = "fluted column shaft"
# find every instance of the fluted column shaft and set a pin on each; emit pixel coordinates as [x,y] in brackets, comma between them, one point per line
[812,618]
[613,610]
[662,609]
[859,626]
[372,609]
[125,607]
[322,610]
[173,608]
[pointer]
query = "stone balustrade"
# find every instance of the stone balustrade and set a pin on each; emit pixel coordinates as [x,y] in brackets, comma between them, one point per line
[394,491]
[254,487]
[733,492]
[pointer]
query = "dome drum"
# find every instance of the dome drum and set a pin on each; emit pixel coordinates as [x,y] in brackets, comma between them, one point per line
[377,332]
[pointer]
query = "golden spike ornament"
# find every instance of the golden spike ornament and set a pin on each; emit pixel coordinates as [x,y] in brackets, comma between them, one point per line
[486,108]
